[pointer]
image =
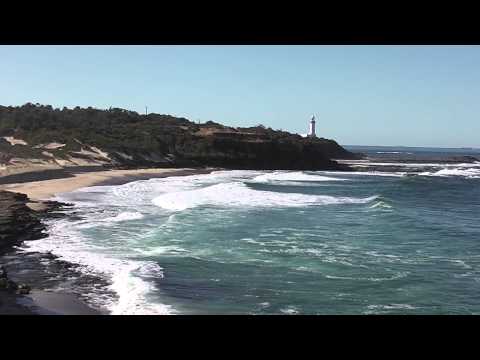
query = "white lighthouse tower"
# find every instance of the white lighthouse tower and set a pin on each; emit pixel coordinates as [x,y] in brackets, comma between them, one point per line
[311,133]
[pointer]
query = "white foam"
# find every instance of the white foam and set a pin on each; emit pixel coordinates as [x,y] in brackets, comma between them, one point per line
[125,216]
[465,170]
[468,173]
[236,194]
[125,274]
[163,250]
[379,173]
[415,165]
[393,152]
[138,193]
[289,310]
[292,176]
[117,259]
[95,221]
[392,307]
[374,279]
[461,263]
[132,291]
[368,173]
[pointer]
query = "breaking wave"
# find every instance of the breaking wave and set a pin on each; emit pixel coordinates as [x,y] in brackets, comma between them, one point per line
[472,173]
[292,176]
[125,216]
[367,173]
[363,163]
[236,194]
[125,275]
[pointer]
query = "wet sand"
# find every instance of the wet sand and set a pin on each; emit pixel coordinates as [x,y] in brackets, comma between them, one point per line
[50,303]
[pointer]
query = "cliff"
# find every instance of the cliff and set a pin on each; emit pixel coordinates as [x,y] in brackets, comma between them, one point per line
[43,137]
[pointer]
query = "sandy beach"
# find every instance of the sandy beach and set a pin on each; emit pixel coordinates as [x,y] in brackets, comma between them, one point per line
[46,189]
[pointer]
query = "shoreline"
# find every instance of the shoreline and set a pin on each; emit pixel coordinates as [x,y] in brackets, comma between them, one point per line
[40,192]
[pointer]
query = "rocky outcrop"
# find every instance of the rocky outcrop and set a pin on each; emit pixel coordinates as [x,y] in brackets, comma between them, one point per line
[17,221]
[262,152]
[9,285]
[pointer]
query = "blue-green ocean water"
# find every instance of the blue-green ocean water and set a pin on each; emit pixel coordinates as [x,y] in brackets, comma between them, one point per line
[286,242]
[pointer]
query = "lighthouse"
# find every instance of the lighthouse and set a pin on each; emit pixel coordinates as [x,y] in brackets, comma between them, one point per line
[311,133]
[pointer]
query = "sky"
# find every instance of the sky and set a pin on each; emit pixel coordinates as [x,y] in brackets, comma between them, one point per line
[361,95]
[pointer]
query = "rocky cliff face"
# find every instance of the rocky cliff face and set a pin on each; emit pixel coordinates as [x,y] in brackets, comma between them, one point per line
[248,151]
[35,135]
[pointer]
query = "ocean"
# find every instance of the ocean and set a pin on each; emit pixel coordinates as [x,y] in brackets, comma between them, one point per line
[401,241]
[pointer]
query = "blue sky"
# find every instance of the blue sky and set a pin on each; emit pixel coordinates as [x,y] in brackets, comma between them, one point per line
[361,95]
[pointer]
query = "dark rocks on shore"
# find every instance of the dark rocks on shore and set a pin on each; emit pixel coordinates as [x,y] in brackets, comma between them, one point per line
[17,221]
[10,292]
[9,285]
[62,282]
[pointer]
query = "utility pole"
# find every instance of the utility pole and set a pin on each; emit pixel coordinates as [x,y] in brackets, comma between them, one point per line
[146,110]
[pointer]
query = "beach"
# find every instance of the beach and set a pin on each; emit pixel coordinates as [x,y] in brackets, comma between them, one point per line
[46,189]
[39,187]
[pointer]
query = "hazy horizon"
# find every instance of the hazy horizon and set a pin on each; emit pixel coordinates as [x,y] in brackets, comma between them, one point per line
[416,96]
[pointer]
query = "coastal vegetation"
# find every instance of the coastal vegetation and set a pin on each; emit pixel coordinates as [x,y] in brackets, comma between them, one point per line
[123,138]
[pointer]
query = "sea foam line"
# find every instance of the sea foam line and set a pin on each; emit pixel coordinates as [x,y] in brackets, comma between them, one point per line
[292,176]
